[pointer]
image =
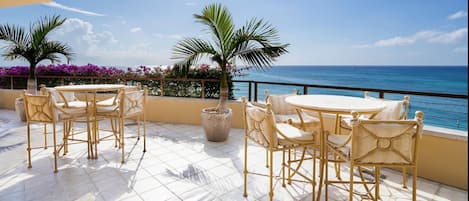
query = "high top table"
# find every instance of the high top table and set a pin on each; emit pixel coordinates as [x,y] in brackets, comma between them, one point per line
[91,109]
[336,105]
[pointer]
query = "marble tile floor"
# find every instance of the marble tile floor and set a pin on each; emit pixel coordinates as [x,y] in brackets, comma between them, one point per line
[179,165]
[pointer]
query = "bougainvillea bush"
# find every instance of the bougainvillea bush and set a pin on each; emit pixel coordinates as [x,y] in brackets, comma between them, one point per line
[173,80]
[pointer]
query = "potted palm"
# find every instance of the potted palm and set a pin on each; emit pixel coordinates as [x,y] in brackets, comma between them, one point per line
[255,44]
[34,46]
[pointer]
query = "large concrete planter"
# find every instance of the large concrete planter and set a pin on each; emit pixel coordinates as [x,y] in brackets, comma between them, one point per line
[19,107]
[216,125]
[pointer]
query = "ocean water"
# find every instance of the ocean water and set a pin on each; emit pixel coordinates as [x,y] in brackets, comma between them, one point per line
[442,112]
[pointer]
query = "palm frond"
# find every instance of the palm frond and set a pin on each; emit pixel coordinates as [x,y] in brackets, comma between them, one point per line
[50,49]
[220,22]
[256,44]
[259,31]
[14,52]
[44,26]
[190,50]
[14,34]
[19,43]
[262,57]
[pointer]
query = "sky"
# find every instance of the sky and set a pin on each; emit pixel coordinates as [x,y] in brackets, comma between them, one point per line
[320,32]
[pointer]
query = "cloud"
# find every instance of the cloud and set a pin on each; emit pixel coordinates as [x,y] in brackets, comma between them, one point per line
[168,36]
[450,37]
[84,32]
[190,4]
[77,10]
[102,48]
[406,40]
[460,50]
[426,36]
[361,46]
[82,37]
[457,15]
[135,29]
[396,41]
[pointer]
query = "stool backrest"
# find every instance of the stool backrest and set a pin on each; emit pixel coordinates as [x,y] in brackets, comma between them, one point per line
[259,124]
[39,108]
[386,142]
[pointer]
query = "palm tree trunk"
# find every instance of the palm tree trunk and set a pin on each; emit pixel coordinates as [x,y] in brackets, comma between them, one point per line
[32,71]
[221,107]
[32,81]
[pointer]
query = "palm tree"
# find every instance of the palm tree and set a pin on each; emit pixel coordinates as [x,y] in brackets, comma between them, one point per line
[254,44]
[34,46]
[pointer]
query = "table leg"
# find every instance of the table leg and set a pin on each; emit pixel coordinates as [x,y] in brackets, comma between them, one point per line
[321,155]
[95,126]
[88,128]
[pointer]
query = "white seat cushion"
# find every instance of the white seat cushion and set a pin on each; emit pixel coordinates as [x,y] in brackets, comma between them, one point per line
[74,104]
[107,102]
[107,108]
[335,140]
[67,113]
[293,133]
[309,123]
[74,110]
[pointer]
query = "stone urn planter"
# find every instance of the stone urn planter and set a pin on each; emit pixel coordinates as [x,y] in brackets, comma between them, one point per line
[19,107]
[216,125]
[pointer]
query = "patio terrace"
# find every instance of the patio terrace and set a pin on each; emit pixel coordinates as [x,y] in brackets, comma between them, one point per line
[179,165]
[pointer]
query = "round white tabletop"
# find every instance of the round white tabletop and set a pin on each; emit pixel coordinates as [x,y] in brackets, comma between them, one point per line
[89,87]
[335,104]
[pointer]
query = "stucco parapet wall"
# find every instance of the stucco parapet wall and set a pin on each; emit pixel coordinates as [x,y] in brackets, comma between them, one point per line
[445,133]
[190,99]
